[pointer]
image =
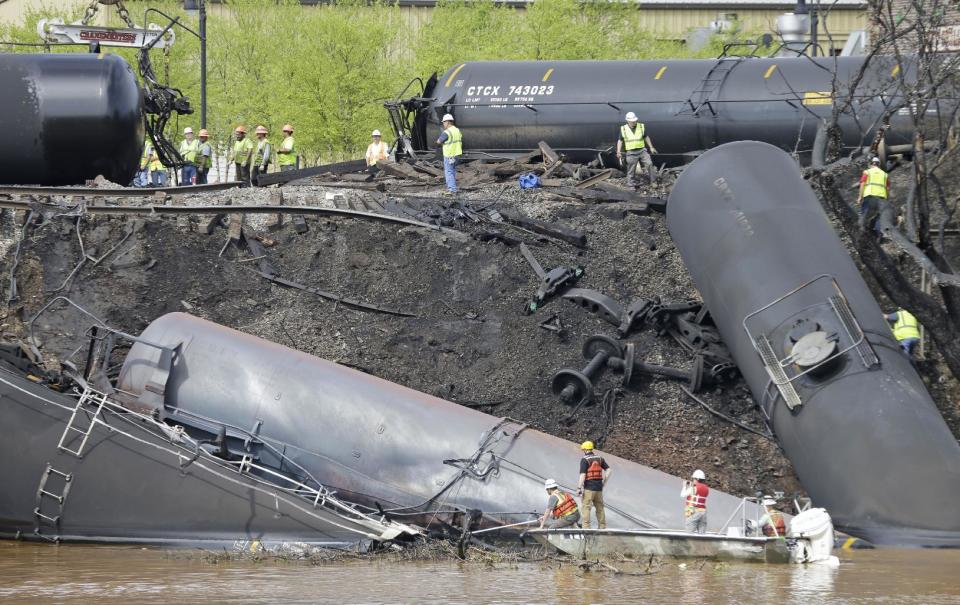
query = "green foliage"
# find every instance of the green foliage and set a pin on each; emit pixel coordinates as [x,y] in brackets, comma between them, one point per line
[327,69]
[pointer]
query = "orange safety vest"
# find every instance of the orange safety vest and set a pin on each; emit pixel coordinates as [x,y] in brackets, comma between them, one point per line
[566,505]
[697,501]
[776,522]
[595,470]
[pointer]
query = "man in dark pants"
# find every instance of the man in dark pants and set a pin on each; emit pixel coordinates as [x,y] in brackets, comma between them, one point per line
[242,155]
[638,146]
[874,190]
[594,473]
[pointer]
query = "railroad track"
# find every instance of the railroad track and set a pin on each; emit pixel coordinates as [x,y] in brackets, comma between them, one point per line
[146,192]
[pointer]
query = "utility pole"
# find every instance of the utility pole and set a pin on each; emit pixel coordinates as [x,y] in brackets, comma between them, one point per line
[203,64]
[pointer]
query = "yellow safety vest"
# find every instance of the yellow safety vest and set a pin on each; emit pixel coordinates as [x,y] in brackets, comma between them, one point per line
[156,165]
[189,150]
[145,158]
[287,159]
[261,146]
[876,184]
[453,146]
[241,151]
[633,139]
[906,326]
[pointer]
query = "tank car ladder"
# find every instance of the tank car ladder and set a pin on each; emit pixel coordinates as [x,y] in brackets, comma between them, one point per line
[98,401]
[46,496]
[710,84]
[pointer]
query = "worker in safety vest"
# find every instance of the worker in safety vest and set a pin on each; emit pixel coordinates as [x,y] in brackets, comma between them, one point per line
[906,330]
[633,138]
[158,172]
[242,155]
[204,157]
[189,148]
[874,189]
[452,142]
[561,508]
[287,153]
[263,154]
[594,473]
[695,495]
[772,523]
[377,151]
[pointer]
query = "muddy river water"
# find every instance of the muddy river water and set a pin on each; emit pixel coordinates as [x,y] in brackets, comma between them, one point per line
[32,573]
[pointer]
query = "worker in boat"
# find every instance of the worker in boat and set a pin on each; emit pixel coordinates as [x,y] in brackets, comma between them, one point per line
[594,473]
[637,144]
[905,329]
[189,148]
[452,142]
[694,493]
[263,154]
[377,151]
[561,508]
[287,153]
[242,155]
[772,523]
[158,172]
[204,157]
[874,190]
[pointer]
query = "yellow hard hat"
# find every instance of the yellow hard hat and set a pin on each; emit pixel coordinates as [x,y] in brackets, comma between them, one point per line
[587,445]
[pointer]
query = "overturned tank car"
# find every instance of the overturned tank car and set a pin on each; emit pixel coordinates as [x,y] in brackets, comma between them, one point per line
[847,407]
[212,436]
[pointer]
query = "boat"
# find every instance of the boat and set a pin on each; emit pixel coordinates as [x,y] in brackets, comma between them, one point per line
[809,540]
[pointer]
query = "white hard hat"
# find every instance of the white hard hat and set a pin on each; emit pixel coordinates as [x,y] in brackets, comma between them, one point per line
[698,474]
[375,133]
[875,160]
[188,130]
[550,484]
[631,117]
[769,502]
[447,118]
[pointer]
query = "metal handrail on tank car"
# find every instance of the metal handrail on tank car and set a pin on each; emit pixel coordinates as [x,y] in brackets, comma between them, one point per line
[786,361]
[99,321]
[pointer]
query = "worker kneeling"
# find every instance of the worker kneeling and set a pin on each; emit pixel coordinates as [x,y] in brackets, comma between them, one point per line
[561,508]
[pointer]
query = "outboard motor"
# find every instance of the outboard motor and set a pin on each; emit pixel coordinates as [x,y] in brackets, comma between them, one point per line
[811,537]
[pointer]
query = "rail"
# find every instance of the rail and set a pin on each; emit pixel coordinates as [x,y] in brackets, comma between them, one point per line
[24,190]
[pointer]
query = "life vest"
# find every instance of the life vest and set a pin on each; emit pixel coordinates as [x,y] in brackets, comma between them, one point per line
[876,184]
[453,146]
[290,158]
[566,505]
[697,501]
[906,326]
[595,468]
[633,139]
[189,150]
[775,522]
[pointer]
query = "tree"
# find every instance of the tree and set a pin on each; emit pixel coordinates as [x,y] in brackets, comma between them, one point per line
[922,86]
